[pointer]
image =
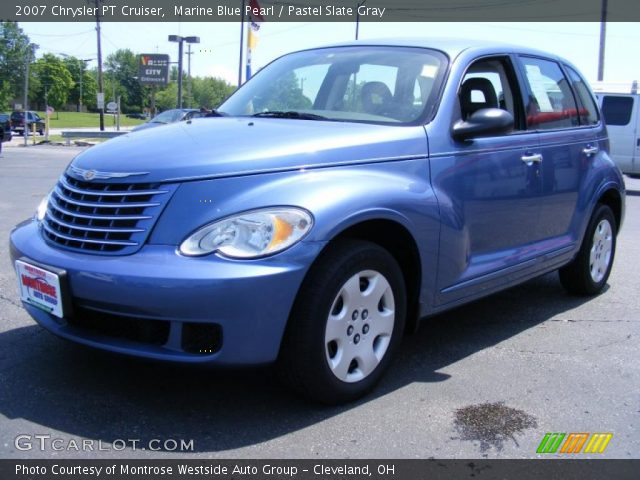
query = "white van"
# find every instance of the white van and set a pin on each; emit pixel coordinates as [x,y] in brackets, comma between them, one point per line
[620,105]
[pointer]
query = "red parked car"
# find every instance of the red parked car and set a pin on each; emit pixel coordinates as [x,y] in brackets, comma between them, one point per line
[18,122]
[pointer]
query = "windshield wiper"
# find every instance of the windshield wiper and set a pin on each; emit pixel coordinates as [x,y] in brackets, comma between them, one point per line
[290,114]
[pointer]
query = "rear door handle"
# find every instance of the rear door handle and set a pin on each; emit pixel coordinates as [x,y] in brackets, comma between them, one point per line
[590,150]
[534,158]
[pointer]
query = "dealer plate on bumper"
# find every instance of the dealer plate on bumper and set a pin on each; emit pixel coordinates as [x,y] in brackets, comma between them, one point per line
[40,288]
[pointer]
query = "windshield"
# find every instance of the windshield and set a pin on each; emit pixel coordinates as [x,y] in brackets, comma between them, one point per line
[361,84]
[168,116]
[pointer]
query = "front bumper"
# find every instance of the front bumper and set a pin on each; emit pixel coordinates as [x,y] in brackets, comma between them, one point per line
[169,297]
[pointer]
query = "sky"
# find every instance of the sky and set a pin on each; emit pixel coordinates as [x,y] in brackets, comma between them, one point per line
[217,54]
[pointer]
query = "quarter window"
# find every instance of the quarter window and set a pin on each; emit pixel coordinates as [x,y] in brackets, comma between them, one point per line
[617,110]
[587,110]
[550,103]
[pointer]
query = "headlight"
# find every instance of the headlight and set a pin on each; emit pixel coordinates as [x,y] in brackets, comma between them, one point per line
[251,234]
[41,211]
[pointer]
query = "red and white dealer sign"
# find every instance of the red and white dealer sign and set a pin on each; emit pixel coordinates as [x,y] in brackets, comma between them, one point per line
[39,288]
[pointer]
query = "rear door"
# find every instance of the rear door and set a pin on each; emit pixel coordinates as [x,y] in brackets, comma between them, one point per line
[620,114]
[567,135]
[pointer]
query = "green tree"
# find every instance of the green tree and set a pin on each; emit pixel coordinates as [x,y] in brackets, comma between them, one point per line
[89,86]
[167,97]
[122,68]
[210,92]
[14,47]
[55,81]
[284,94]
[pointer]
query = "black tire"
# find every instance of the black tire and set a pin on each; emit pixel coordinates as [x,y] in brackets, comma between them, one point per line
[576,277]
[303,363]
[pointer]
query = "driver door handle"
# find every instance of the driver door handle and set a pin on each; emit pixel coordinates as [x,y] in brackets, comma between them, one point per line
[533,158]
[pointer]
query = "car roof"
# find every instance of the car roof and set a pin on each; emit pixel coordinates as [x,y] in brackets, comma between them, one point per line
[452,47]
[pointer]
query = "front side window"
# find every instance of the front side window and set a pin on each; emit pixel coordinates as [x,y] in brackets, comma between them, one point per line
[390,85]
[550,104]
[617,110]
[490,83]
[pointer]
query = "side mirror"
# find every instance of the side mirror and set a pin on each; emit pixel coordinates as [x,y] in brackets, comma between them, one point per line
[484,122]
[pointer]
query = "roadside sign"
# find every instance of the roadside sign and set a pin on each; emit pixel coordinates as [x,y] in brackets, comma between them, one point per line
[17,106]
[112,107]
[50,110]
[100,100]
[153,69]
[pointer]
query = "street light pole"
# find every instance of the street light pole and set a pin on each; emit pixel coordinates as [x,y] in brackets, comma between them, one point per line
[179,40]
[180,73]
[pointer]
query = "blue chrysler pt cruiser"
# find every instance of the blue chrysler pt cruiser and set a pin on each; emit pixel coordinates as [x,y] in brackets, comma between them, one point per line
[339,196]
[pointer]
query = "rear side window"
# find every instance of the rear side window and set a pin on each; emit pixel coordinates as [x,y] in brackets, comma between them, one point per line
[550,104]
[617,110]
[587,110]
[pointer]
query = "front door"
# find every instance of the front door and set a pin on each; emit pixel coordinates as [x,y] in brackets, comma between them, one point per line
[488,190]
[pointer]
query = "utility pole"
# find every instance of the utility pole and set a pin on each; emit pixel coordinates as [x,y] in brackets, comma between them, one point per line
[81,75]
[189,53]
[241,44]
[358,17]
[100,81]
[603,35]
[25,107]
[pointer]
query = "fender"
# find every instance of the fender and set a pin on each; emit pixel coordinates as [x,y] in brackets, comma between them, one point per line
[337,197]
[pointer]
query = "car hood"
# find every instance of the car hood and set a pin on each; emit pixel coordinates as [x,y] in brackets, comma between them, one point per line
[222,147]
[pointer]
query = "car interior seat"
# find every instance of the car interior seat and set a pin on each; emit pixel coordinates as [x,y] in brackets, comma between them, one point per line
[471,102]
[375,97]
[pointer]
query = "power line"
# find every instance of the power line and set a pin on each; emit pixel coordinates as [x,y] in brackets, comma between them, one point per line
[61,34]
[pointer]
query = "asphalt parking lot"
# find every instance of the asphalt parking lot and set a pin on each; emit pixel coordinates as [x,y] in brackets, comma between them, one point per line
[485,380]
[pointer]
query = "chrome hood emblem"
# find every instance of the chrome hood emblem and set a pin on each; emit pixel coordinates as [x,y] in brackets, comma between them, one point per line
[89,175]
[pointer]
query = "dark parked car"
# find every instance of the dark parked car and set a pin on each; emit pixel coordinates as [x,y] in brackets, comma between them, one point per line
[313,226]
[170,116]
[5,127]
[138,115]
[18,122]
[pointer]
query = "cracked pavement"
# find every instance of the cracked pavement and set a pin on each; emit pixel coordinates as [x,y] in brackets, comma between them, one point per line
[568,364]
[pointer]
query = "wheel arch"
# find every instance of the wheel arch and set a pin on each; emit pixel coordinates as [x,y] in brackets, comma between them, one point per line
[396,238]
[613,199]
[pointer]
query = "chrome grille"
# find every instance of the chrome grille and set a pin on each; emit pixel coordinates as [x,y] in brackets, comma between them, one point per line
[112,218]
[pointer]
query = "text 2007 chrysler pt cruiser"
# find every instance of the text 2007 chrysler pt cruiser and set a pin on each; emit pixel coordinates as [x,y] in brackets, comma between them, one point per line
[340,195]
